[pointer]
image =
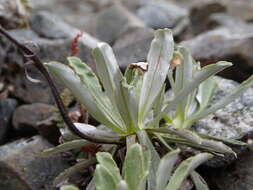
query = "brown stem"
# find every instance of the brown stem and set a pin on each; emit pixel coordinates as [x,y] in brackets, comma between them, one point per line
[29,54]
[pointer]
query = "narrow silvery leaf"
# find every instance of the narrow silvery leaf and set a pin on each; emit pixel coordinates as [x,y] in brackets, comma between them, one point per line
[154,156]
[159,57]
[217,146]
[165,169]
[185,168]
[199,77]
[224,140]
[83,93]
[106,160]
[111,77]
[205,91]
[198,181]
[84,72]
[67,146]
[134,169]
[104,180]
[69,172]
[90,80]
[184,133]
[97,133]
[226,100]
[130,95]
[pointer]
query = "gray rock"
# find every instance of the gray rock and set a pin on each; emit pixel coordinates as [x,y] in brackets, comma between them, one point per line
[201,13]
[44,25]
[161,14]
[110,22]
[133,46]
[235,120]
[237,176]
[132,5]
[26,118]
[23,167]
[230,44]
[232,122]
[12,13]
[76,13]
[7,107]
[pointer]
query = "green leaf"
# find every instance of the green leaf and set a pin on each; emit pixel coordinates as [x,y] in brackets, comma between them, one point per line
[82,165]
[111,77]
[199,77]
[149,150]
[105,159]
[104,180]
[226,100]
[97,133]
[185,168]
[184,133]
[75,144]
[134,169]
[69,187]
[205,92]
[224,140]
[94,101]
[165,169]
[130,95]
[158,104]
[198,181]
[159,57]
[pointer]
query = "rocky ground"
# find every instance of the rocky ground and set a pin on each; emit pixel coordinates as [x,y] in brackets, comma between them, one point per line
[213,30]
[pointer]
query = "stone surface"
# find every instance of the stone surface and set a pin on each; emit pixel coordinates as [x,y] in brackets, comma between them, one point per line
[200,16]
[228,44]
[75,12]
[22,167]
[233,121]
[133,46]
[161,14]
[26,118]
[12,14]
[7,107]
[110,22]
[237,176]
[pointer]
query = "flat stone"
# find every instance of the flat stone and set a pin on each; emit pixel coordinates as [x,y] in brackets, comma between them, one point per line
[201,13]
[237,176]
[161,14]
[133,46]
[224,43]
[26,118]
[110,22]
[7,107]
[22,167]
[76,13]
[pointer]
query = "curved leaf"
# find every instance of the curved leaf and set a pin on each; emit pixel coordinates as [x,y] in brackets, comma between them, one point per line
[159,57]
[185,168]
[67,146]
[165,168]
[87,95]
